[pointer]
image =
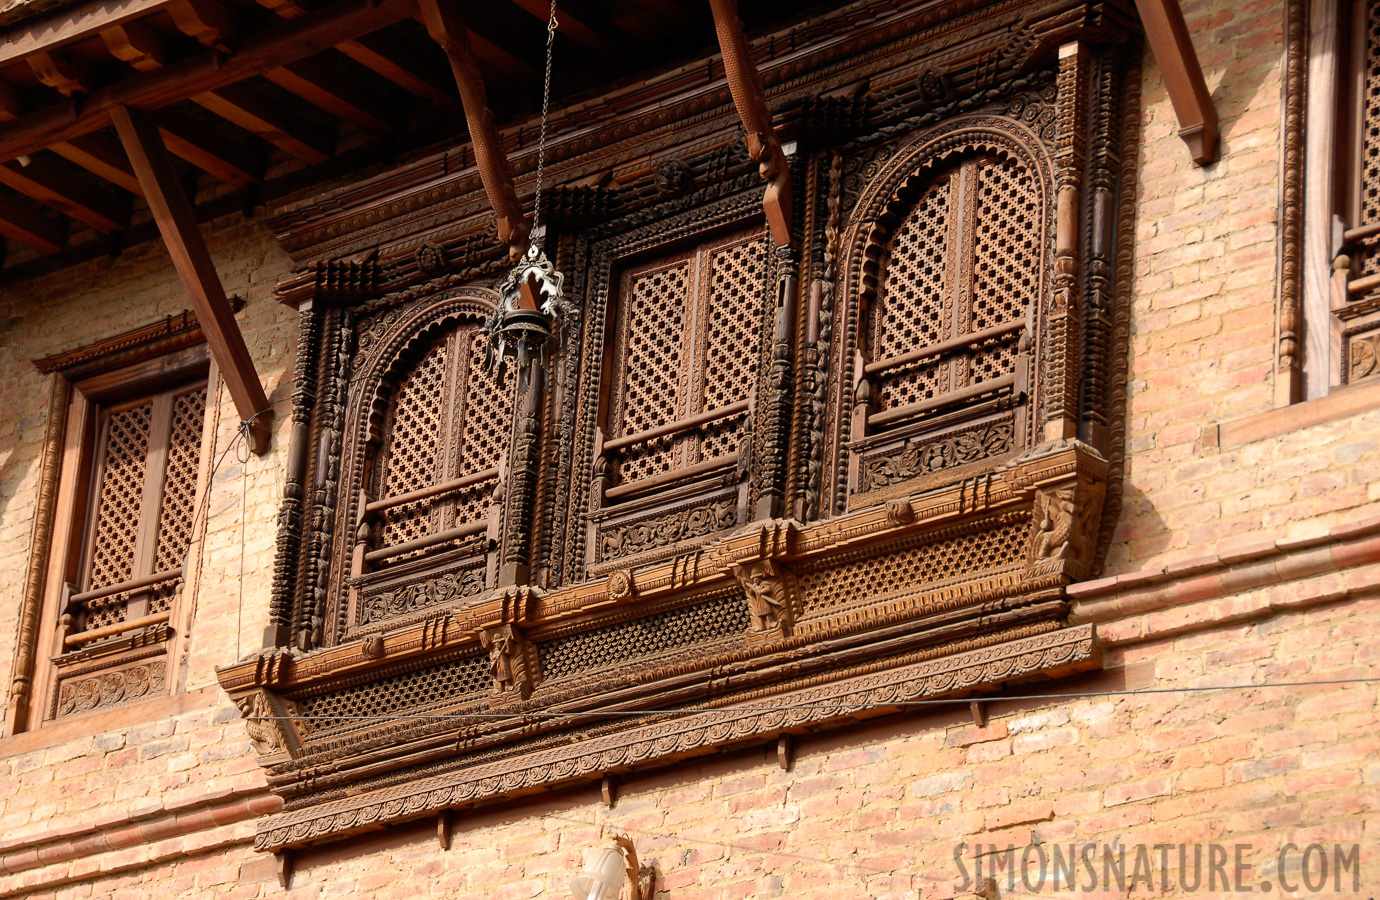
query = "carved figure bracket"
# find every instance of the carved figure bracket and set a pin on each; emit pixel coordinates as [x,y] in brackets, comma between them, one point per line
[512,663]
[269,720]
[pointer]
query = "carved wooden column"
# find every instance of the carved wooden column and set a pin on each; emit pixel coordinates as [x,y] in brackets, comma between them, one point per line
[304,381]
[780,388]
[1065,325]
[40,541]
[1102,180]
[523,472]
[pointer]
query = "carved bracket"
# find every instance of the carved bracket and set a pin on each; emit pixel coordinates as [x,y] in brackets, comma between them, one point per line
[512,662]
[271,721]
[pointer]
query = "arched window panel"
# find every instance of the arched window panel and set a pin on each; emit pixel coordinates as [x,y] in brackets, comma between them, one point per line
[687,335]
[943,361]
[434,426]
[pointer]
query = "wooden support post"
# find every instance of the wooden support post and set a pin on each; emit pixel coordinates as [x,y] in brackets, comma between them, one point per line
[979,710]
[177,225]
[745,84]
[785,751]
[284,860]
[609,789]
[447,27]
[1183,76]
[445,828]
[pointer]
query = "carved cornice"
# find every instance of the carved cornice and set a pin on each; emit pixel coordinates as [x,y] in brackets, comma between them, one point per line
[129,347]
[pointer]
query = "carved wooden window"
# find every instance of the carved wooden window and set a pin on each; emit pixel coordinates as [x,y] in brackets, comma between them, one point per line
[944,341]
[686,340]
[126,507]
[435,470]
[1340,330]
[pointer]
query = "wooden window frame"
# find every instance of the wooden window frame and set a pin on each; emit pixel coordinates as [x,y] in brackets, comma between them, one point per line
[161,361]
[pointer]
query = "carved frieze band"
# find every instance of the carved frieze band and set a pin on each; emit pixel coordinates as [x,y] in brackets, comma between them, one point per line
[1057,652]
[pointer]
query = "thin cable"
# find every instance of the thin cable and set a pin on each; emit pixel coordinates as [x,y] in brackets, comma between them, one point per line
[545,109]
[242,457]
[902,704]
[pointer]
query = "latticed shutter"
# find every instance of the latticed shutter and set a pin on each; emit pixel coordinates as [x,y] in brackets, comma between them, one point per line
[965,260]
[143,499]
[449,421]
[688,340]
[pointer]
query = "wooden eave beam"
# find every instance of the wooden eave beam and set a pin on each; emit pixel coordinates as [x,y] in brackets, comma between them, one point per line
[95,152]
[380,54]
[572,24]
[316,82]
[66,25]
[50,186]
[33,230]
[209,71]
[1172,45]
[209,151]
[241,105]
[446,26]
[745,84]
[176,223]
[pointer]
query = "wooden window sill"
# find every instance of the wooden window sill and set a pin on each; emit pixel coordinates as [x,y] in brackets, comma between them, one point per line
[1342,402]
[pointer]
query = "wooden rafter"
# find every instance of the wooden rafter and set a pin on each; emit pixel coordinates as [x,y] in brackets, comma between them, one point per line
[95,153]
[446,26]
[574,23]
[209,151]
[48,184]
[33,230]
[210,71]
[1172,45]
[380,54]
[318,83]
[745,84]
[241,105]
[177,225]
[74,24]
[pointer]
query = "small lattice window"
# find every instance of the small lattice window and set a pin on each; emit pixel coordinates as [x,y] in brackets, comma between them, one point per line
[688,337]
[143,494]
[957,277]
[445,434]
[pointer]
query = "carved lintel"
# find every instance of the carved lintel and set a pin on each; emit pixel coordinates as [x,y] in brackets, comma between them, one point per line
[512,662]
[771,606]
[269,721]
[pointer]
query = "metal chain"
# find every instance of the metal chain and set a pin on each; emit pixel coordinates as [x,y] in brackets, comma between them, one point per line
[545,108]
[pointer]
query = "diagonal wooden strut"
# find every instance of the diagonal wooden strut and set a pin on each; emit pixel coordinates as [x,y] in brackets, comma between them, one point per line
[1167,33]
[745,84]
[177,225]
[447,27]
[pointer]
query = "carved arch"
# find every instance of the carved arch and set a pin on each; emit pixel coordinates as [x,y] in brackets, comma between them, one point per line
[384,361]
[883,208]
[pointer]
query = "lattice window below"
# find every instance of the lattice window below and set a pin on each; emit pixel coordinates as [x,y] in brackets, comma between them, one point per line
[179,485]
[612,645]
[436,686]
[915,300]
[1370,132]
[931,562]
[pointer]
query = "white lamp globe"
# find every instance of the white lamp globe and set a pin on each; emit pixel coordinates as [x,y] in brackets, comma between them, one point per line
[602,878]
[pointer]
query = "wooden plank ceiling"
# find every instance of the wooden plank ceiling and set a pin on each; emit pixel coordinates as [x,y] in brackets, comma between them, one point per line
[269,96]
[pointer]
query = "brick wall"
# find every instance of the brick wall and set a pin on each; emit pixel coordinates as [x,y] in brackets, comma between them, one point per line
[1231,565]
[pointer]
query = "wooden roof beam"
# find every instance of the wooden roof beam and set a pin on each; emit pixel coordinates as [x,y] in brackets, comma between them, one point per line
[316,82]
[745,84]
[209,71]
[30,228]
[573,23]
[209,151]
[382,55]
[1169,39]
[47,184]
[173,214]
[94,153]
[243,106]
[446,26]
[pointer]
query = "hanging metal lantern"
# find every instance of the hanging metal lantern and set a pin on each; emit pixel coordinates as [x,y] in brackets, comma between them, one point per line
[533,318]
